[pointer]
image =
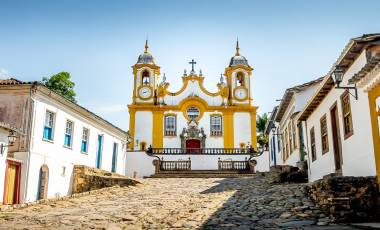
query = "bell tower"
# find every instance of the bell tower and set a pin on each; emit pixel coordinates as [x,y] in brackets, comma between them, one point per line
[145,73]
[238,75]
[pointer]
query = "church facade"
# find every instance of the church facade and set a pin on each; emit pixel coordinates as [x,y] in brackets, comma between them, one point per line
[192,117]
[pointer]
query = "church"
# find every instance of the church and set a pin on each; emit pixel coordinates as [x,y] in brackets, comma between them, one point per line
[193,118]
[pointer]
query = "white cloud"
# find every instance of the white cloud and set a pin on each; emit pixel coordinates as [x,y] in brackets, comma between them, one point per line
[4,73]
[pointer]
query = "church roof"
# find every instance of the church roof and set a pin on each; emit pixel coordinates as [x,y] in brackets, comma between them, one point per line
[146,57]
[238,59]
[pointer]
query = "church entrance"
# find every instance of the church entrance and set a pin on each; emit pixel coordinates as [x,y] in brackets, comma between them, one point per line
[193,145]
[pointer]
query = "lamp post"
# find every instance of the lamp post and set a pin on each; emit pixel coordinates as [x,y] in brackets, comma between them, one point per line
[338,77]
[11,140]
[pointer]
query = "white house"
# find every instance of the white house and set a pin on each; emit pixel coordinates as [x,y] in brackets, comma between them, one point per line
[272,130]
[286,116]
[57,134]
[338,121]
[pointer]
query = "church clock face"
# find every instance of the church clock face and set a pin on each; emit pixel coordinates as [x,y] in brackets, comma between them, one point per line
[241,94]
[145,92]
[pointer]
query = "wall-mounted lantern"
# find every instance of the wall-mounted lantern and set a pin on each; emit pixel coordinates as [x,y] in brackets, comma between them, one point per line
[11,140]
[338,77]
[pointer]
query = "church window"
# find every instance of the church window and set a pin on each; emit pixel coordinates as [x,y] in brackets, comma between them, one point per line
[84,145]
[145,77]
[216,125]
[170,125]
[193,113]
[324,137]
[68,133]
[240,79]
[48,126]
[347,118]
[312,142]
[290,137]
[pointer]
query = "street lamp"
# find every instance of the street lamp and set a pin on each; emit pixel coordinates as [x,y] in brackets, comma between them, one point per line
[129,139]
[11,140]
[338,77]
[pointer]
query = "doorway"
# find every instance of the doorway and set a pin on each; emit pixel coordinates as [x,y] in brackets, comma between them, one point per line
[12,183]
[193,145]
[43,182]
[99,152]
[336,138]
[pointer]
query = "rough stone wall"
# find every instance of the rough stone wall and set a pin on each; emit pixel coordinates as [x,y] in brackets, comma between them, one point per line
[347,199]
[87,179]
[289,174]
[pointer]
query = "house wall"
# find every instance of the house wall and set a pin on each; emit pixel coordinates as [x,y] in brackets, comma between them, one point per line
[60,159]
[358,147]
[3,160]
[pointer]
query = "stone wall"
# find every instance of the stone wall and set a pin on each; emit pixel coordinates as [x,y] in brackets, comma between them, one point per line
[87,179]
[347,199]
[289,174]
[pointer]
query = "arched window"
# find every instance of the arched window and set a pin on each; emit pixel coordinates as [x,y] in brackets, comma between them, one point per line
[145,77]
[240,81]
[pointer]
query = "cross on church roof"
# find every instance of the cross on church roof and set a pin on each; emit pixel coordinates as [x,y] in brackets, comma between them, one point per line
[192,65]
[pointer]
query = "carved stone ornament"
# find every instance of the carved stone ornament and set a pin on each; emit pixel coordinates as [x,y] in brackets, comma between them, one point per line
[192,132]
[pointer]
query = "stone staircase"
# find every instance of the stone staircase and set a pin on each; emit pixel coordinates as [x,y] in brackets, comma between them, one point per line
[202,174]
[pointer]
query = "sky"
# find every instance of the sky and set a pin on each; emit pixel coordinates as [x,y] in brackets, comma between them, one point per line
[287,43]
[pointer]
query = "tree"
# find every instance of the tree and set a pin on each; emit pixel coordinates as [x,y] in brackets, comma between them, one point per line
[61,84]
[261,122]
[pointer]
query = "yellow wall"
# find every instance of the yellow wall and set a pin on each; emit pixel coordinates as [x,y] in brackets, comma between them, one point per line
[157,132]
[375,113]
[228,117]
[132,127]
[253,129]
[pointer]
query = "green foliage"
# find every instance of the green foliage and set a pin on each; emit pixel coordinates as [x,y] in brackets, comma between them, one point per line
[261,121]
[61,84]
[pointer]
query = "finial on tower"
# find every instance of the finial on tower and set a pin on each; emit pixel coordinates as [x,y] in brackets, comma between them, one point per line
[146,46]
[237,48]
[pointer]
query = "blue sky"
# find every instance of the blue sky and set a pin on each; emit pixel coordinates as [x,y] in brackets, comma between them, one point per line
[286,42]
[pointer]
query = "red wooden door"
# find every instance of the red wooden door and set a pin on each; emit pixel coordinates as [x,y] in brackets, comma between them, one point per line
[193,145]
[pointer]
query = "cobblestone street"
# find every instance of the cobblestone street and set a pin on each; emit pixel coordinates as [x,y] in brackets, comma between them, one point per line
[215,203]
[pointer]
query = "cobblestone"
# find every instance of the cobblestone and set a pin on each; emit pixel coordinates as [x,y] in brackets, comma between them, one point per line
[178,203]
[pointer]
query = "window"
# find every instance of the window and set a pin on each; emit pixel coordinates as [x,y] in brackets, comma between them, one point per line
[145,77]
[287,144]
[216,125]
[114,157]
[294,135]
[170,125]
[193,113]
[84,145]
[324,137]
[48,126]
[290,137]
[278,140]
[312,143]
[68,133]
[347,117]
[240,79]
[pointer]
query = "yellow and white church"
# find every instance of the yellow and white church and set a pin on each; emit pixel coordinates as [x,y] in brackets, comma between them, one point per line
[193,117]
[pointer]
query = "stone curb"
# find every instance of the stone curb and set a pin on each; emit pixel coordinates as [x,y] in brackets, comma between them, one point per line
[46,201]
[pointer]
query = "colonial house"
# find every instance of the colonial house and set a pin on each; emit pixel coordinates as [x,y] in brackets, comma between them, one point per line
[272,130]
[289,130]
[338,119]
[55,134]
[7,138]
